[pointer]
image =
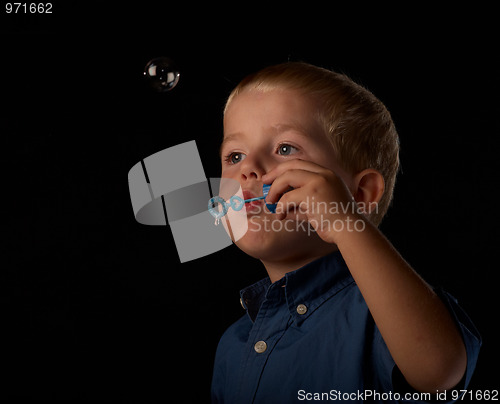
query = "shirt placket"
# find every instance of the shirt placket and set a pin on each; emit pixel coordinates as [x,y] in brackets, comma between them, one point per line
[269,326]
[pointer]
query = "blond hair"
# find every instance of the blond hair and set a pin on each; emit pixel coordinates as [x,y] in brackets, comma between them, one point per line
[358,125]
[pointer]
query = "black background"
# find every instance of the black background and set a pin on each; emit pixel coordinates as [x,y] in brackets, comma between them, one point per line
[98,306]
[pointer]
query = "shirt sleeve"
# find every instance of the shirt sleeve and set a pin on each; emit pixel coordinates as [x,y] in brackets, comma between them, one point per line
[390,378]
[470,334]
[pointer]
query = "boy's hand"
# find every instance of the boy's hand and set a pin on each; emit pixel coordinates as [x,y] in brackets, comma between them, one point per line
[415,324]
[319,196]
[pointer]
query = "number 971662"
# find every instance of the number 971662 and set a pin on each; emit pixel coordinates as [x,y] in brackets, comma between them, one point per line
[28,8]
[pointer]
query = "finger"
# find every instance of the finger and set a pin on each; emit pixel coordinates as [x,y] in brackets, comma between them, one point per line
[290,179]
[269,177]
[292,205]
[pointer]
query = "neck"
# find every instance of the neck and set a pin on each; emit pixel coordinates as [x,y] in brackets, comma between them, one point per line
[279,268]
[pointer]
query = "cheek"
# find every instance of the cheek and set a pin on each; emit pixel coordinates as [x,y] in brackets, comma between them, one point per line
[346,176]
[231,171]
[225,169]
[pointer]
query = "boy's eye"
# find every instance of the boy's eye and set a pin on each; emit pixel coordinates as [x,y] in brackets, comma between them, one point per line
[286,150]
[234,158]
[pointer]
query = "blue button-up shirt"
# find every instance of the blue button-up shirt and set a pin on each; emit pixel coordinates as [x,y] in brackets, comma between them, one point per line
[310,336]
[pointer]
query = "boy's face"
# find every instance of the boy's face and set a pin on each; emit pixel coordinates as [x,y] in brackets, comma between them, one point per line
[261,131]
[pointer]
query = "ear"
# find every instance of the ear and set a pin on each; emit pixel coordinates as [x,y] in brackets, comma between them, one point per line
[369,187]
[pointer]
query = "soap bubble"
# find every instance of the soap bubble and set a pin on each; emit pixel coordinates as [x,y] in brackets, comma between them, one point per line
[161,74]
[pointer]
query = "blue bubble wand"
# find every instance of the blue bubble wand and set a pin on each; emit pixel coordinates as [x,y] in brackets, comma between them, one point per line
[236,203]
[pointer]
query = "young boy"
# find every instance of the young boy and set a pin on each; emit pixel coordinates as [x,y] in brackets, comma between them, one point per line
[341,315]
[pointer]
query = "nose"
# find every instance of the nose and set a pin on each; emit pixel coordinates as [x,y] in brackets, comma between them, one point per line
[252,168]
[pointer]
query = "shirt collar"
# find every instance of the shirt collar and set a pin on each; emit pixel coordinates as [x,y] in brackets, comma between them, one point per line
[307,287]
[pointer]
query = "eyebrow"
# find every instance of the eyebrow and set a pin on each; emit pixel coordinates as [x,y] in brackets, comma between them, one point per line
[283,127]
[227,139]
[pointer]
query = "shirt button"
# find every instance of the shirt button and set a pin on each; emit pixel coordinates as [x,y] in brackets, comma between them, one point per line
[260,346]
[301,309]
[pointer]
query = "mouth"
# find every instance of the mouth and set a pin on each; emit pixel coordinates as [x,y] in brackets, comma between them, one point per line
[253,205]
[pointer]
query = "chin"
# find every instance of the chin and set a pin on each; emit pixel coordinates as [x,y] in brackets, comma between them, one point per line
[268,239]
